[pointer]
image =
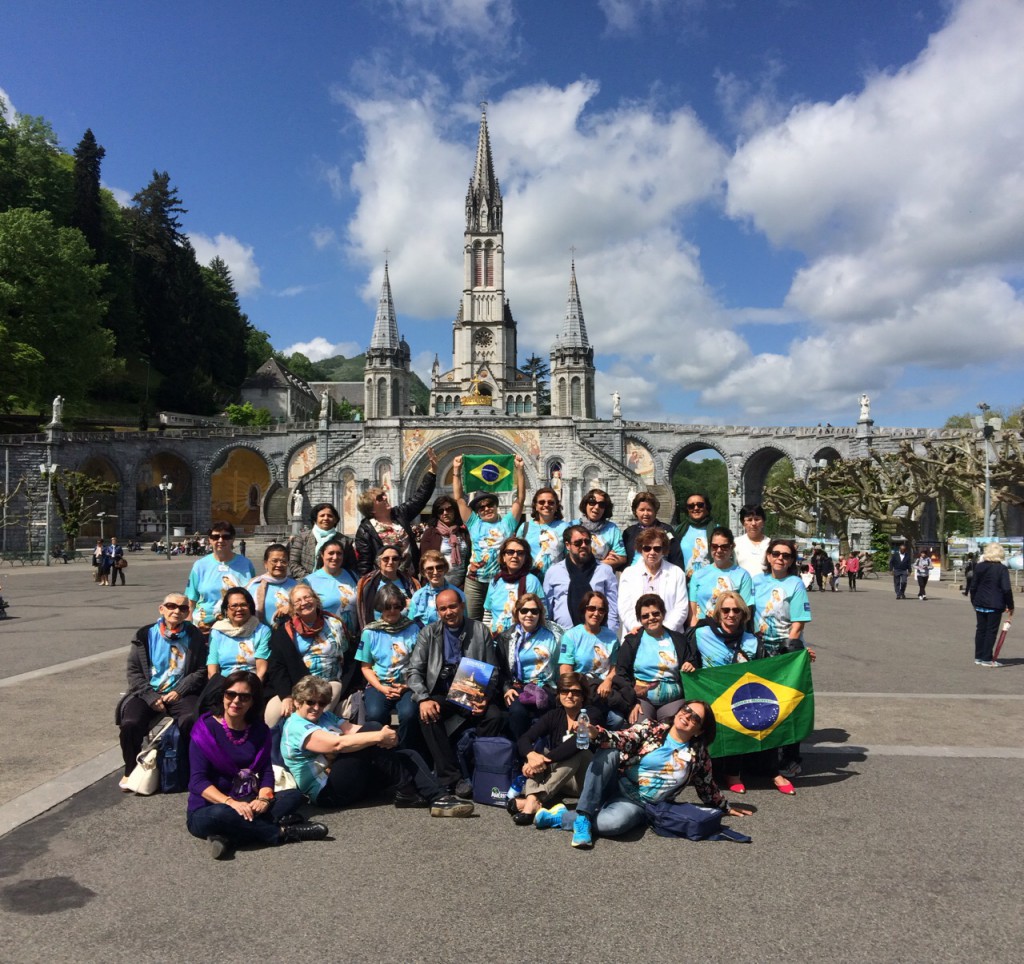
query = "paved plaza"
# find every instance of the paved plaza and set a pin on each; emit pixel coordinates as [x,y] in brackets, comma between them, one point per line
[902,844]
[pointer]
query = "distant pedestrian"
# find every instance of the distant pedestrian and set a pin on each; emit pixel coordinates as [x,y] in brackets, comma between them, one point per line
[899,563]
[922,569]
[969,566]
[241,547]
[991,596]
[115,555]
[101,563]
[853,570]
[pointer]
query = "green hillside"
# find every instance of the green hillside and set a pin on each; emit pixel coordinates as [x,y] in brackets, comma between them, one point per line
[342,369]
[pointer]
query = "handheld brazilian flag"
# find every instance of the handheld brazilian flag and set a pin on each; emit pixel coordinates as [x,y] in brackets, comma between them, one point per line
[757,705]
[488,473]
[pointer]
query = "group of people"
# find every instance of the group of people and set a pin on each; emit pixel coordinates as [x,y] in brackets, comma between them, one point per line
[109,562]
[316,655]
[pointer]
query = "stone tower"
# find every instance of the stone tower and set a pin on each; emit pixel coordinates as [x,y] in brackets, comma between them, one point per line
[484,332]
[388,362]
[572,362]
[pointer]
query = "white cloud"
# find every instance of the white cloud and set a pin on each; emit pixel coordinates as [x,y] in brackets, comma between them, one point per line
[240,259]
[292,291]
[323,237]
[10,113]
[625,16]
[123,197]
[320,348]
[458,21]
[332,176]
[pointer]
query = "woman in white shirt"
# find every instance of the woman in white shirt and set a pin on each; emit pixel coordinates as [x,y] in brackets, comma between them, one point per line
[655,574]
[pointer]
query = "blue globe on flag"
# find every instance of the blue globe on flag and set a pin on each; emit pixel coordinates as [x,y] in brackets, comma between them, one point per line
[490,472]
[755,706]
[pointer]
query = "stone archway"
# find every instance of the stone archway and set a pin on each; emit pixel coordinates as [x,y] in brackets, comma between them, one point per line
[107,503]
[149,498]
[238,487]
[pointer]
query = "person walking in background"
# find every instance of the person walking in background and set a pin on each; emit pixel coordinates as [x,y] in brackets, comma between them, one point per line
[115,561]
[899,564]
[853,570]
[991,596]
[922,568]
[970,563]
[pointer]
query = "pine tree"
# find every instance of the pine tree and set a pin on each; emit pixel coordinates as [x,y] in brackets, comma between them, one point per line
[87,210]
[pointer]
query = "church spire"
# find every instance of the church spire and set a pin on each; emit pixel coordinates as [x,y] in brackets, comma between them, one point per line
[574,329]
[483,199]
[385,326]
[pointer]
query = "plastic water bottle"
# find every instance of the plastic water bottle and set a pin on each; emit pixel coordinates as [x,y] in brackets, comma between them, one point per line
[583,731]
[517,787]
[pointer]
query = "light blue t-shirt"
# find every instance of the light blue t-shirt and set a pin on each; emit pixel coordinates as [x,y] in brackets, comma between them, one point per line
[607,539]
[656,659]
[337,595]
[387,654]
[309,769]
[546,545]
[587,653]
[501,599]
[423,605]
[275,598]
[715,653]
[660,773]
[693,546]
[209,580]
[487,538]
[234,653]
[778,603]
[166,658]
[324,653]
[534,662]
[710,582]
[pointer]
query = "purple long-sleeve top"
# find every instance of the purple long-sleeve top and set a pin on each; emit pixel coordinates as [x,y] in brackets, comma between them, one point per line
[205,773]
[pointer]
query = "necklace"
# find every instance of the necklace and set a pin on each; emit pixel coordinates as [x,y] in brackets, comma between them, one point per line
[230,733]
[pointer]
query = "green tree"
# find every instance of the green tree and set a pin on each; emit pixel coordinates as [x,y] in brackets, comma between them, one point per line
[1011,418]
[300,366]
[227,328]
[50,301]
[87,208]
[34,172]
[74,497]
[539,369]
[257,349]
[246,414]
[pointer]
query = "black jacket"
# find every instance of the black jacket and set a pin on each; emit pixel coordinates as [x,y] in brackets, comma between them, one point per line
[139,667]
[285,666]
[686,651]
[427,660]
[549,729]
[369,544]
[990,587]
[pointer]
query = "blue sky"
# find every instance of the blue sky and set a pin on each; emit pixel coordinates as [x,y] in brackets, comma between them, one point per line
[775,205]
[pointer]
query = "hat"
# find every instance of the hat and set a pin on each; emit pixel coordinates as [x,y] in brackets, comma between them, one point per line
[482,498]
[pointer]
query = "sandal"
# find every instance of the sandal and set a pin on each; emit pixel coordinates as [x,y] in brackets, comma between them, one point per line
[738,786]
[785,787]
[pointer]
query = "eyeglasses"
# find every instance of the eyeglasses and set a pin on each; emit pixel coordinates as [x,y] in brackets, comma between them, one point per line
[576,543]
[241,605]
[575,694]
[317,703]
[220,537]
[730,609]
[776,554]
[720,546]
[515,552]
[487,505]
[593,501]
[545,502]
[435,568]
[597,609]
[393,608]
[652,548]
[529,611]
[696,505]
[231,695]
[657,614]
[390,558]
[176,607]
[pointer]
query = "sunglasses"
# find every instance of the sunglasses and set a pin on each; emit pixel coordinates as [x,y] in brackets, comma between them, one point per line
[652,548]
[657,614]
[596,502]
[579,542]
[220,537]
[597,609]
[720,546]
[393,608]
[692,716]
[390,558]
[696,505]
[515,552]
[529,611]
[231,695]
[435,568]
[776,554]
[317,703]
[545,502]
[177,607]
[730,609]
[576,694]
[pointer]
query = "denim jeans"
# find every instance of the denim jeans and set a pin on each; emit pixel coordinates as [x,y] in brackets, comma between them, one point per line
[379,709]
[220,820]
[611,812]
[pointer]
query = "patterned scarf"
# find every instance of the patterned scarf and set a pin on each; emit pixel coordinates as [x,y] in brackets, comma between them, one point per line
[451,533]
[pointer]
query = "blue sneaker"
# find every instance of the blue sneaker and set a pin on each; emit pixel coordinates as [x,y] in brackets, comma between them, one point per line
[546,819]
[582,838]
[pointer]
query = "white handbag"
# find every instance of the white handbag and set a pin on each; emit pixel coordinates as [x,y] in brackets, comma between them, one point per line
[145,778]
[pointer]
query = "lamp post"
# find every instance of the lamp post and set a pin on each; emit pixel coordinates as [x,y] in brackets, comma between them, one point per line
[988,428]
[166,487]
[819,464]
[46,470]
[101,516]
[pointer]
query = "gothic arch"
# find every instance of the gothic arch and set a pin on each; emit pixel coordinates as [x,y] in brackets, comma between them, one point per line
[241,480]
[149,499]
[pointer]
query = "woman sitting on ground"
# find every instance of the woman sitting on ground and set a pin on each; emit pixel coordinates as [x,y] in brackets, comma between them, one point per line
[309,642]
[336,586]
[388,573]
[653,660]
[554,764]
[270,589]
[446,534]
[647,763]
[383,655]
[336,763]
[529,650]
[434,574]
[543,531]
[231,798]
[511,581]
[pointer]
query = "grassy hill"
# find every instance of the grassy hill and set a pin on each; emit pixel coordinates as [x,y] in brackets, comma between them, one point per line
[342,369]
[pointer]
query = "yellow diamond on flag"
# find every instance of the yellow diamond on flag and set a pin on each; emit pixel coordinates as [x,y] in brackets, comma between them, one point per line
[490,472]
[754,706]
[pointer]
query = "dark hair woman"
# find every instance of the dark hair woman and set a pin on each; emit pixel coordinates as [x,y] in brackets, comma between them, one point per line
[511,581]
[270,589]
[596,517]
[445,533]
[231,797]
[543,531]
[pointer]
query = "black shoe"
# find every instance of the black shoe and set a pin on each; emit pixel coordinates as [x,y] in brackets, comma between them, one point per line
[521,819]
[449,806]
[464,789]
[291,819]
[405,801]
[220,847]
[303,831]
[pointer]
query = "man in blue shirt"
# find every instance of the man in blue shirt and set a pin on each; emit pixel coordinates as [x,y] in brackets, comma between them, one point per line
[566,581]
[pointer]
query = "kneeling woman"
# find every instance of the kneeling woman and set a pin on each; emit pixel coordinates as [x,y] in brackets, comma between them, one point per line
[337,764]
[644,764]
[231,790]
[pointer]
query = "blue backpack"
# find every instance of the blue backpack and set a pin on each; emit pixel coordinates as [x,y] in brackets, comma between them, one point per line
[494,760]
[668,819]
[172,759]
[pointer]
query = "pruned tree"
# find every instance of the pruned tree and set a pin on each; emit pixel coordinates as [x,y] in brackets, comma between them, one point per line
[74,498]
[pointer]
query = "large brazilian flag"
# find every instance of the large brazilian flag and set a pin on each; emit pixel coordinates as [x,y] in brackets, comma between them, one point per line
[488,473]
[757,705]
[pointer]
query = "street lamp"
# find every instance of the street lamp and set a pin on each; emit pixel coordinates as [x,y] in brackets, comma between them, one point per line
[46,471]
[101,516]
[988,428]
[166,487]
[819,464]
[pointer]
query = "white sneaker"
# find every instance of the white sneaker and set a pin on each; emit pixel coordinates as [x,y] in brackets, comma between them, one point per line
[995,664]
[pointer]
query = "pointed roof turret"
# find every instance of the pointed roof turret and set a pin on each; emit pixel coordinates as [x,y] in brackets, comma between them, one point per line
[483,199]
[385,326]
[574,329]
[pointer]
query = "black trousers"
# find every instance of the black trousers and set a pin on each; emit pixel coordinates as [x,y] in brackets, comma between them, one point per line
[137,720]
[441,743]
[357,775]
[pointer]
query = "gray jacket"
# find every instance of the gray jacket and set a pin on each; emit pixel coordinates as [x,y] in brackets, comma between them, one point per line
[427,657]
